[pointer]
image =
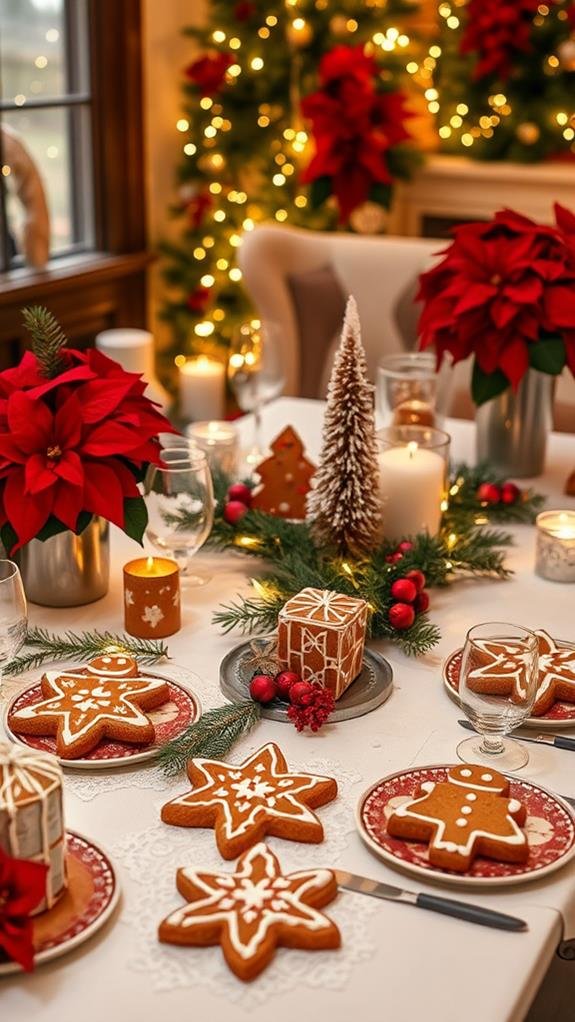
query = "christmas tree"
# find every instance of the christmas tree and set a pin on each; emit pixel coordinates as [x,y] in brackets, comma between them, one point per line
[504,78]
[344,509]
[293,112]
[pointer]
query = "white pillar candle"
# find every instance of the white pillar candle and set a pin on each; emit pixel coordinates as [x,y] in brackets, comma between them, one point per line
[220,443]
[202,388]
[412,481]
[555,555]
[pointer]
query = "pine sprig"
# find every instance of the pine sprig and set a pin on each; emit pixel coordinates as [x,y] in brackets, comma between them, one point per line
[464,505]
[48,339]
[45,645]
[211,737]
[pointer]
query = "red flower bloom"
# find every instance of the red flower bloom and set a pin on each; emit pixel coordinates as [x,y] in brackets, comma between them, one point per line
[198,299]
[22,887]
[496,31]
[500,287]
[317,709]
[209,72]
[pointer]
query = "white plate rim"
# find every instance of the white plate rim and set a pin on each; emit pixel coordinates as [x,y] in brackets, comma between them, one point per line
[537,723]
[452,879]
[116,762]
[10,968]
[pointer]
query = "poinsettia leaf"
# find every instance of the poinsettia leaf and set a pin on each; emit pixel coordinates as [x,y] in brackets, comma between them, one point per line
[381,194]
[320,190]
[135,518]
[548,355]
[485,386]
[8,537]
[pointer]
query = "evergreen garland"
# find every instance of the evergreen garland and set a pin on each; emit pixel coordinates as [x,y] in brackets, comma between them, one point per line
[211,737]
[44,645]
[48,339]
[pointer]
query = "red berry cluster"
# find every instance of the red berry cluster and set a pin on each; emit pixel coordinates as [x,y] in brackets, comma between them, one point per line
[409,592]
[491,493]
[310,705]
[238,502]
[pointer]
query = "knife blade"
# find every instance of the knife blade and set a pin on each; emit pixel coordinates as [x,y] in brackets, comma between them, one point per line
[432,902]
[559,741]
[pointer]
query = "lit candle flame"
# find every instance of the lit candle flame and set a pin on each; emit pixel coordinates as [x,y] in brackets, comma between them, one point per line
[150,564]
[412,447]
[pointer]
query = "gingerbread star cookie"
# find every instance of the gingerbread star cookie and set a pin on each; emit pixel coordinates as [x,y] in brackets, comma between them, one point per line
[253,911]
[467,815]
[244,803]
[105,699]
[556,674]
[499,668]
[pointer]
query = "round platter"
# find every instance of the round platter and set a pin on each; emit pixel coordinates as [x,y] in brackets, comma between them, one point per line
[560,716]
[92,895]
[169,720]
[369,690]
[550,830]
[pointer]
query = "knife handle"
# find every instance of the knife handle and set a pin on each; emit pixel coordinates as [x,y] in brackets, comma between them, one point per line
[471,913]
[564,743]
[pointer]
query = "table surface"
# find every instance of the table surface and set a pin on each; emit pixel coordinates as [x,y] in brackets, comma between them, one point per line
[424,963]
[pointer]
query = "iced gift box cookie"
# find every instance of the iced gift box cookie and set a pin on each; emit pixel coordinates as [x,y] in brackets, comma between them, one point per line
[253,911]
[321,636]
[31,815]
[105,699]
[466,816]
[244,803]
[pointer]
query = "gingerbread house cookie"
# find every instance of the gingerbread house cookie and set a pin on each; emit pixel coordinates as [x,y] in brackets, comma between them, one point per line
[31,815]
[321,636]
[252,911]
[467,815]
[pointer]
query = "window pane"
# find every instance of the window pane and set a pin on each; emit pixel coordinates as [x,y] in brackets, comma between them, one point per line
[32,49]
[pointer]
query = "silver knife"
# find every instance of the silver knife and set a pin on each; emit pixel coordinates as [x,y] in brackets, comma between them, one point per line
[447,906]
[558,741]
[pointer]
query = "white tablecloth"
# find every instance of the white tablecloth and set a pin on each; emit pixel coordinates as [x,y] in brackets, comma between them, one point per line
[423,964]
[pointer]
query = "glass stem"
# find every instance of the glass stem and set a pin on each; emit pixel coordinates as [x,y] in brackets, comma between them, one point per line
[492,746]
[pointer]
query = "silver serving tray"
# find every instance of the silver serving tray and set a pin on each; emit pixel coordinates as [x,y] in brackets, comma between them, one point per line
[369,690]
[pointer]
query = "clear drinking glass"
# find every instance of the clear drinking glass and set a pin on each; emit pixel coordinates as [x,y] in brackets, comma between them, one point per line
[410,390]
[255,378]
[503,657]
[13,612]
[180,501]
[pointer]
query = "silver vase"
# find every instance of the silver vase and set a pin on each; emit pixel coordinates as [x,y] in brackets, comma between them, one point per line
[512,429]
[67,570]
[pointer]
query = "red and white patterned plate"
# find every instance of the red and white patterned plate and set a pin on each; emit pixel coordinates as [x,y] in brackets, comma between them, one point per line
[92,895]
[169,720]
[560,716]
[550,829]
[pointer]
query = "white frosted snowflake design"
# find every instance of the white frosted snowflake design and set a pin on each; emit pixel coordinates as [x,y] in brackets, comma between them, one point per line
[153,615]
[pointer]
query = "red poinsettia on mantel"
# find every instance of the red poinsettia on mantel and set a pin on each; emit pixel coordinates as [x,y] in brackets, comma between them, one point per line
[22,887]
[76,435]
[505,293]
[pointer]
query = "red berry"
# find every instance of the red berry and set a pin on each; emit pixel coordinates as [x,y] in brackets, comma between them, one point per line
[401,615]
[418,579]
[394,558]
[284,681]
[263,688]
[301,693]
[405,546]
[489,493]
[421,604]
[404,589]
[233,511]
[241,492]
[510,493]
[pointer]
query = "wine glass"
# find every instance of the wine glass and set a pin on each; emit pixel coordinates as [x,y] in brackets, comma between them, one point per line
[505,657]
[13,612]
[180,501]
[254,377]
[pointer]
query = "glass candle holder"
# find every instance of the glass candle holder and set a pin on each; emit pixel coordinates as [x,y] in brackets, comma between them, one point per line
[410,391]
[220,443]
[555,546]
[413,464]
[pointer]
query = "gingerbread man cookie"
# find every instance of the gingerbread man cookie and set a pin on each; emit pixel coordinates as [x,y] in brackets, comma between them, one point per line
[556,674]
[253,911]
[105,699]
[463,817]
[244,803]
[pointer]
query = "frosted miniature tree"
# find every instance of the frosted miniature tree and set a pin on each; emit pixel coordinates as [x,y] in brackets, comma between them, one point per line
[344,509]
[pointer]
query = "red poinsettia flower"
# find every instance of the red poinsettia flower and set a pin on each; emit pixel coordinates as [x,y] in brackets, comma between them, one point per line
[348,62]
[501,288]
[496,31]
[22,887]
[209,72]
[198,207]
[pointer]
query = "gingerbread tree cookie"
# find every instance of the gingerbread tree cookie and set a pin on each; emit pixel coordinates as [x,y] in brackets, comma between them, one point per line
[253,911]
[244,803]
[463,817]
[556,674]
[284,478]
[105,699]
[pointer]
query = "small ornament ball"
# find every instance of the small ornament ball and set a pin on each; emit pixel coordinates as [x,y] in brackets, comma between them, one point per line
[284,681]
[263,688]
[510,493]
[394,558]
[489,493]
[418,579]
[234,510]
[405,546]
[240,492]
[401,616]
[301,694]
[404,589]
[421,604]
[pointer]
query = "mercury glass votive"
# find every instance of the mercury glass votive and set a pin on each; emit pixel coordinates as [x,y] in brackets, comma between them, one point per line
[410,391]
[555,546]
[220,443]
